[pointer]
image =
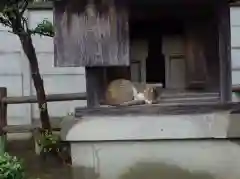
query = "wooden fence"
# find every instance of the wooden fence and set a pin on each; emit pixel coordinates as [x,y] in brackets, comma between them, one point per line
[4,101]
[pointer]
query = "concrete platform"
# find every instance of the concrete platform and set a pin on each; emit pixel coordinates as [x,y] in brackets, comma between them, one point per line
[188,146]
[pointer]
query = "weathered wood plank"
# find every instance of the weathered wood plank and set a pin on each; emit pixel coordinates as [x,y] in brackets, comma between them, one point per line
[23,128]
[3,111]
[90,34]
[55,123]
[236,88]
[213,64]
[195,55]
[224,49]
[95,86]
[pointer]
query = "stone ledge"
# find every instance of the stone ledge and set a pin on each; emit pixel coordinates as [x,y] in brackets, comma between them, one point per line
[158,109]
[219,125]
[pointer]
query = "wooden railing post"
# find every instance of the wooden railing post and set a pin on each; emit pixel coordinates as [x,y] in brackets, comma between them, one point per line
[3,119]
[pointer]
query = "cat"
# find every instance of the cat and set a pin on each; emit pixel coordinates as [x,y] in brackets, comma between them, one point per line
[122,91]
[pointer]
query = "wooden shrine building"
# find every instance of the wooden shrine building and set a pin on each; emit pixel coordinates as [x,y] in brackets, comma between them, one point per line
[182,44]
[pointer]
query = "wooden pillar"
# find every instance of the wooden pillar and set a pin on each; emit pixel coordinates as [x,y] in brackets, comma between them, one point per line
[95,85]
[224,40]
[3,120]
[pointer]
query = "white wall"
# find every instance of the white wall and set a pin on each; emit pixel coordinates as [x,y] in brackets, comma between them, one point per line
[15,74]
[235,48]
[235,40]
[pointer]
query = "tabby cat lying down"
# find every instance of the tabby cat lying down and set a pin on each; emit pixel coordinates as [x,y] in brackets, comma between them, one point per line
[122,91]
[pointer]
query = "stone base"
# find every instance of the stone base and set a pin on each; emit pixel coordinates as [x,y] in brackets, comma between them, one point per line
[158,146]
[157,159]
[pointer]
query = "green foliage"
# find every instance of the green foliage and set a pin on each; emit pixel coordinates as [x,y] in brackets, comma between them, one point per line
[49,142]
[51,145]
[44,28]
[11,167]
[12,16]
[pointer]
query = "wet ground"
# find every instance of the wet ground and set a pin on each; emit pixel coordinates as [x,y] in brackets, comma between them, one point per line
[37,168]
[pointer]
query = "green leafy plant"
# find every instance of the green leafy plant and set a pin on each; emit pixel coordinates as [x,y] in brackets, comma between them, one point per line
[51,144]
[45,28]
[48,142]
[11,167]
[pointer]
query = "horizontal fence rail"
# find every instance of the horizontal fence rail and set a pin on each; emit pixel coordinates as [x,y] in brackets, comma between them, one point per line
[4,101]
[49,98]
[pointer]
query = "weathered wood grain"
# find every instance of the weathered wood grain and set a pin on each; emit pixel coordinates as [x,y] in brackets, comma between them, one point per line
[157,109]
[3,110]
[224,40]
[90,34]
[36,124]
[195,55]
[95,86]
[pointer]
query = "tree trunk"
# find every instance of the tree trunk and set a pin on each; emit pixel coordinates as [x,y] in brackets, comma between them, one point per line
[30,52]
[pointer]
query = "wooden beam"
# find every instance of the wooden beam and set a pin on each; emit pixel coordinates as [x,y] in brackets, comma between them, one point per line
[36,124]
[49,98]
[3,110]
[144,110]
[3,120]
[236,88]
[224,40]
[95,86]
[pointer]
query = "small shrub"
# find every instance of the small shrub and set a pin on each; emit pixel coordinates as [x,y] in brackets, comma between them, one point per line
[48,142]
[51,144]
[11,167]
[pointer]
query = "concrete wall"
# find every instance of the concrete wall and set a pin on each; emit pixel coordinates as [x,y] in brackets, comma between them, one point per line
[15,74]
